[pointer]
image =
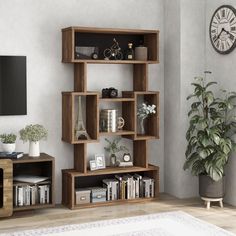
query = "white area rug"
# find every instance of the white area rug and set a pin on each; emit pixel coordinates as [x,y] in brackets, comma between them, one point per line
[163,224]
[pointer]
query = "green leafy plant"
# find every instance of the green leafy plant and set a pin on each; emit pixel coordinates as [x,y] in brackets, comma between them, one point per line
[8,138]
[114,147]
[209,136]
[33,133]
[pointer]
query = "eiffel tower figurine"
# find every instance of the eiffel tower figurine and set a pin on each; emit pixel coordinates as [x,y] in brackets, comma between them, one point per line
[80,131]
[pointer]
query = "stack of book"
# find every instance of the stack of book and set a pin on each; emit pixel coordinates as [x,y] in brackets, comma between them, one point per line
[13,155]
[129,187]
[30,190]
[26,195]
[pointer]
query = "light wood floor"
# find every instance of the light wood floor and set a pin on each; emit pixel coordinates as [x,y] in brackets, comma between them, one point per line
[225,218]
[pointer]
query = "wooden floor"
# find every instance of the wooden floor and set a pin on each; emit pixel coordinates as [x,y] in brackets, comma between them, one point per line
[225,218]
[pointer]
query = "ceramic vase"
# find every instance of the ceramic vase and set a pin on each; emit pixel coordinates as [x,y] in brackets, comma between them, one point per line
[8,147]
[34,149]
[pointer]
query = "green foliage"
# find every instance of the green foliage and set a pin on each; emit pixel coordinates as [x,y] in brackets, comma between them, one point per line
[8,138]
[114,147]
[33,133]
[211,126]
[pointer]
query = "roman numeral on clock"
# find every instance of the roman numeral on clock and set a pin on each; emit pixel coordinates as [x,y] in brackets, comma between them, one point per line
[233,28]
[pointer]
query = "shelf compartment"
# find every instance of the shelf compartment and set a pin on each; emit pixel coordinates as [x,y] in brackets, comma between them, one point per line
[40,166]
[72,179]
[69,116]
[152,122]
[103,38]
[127,111]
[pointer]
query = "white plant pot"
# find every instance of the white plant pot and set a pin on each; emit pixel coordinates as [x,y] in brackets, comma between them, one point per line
[34,149]
[8,147]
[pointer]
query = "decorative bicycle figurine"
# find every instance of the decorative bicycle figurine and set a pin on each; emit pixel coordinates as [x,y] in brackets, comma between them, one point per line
[114,51]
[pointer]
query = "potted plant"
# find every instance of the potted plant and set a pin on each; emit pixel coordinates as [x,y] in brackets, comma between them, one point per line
[8,142]
[113,148]
[33,134]
[144,111]
[209,136]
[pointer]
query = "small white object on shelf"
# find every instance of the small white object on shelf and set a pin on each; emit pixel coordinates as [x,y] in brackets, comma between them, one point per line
[125,163]
[30,178]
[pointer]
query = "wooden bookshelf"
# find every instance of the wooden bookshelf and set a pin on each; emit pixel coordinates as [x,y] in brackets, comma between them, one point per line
[37,166]
[80,175]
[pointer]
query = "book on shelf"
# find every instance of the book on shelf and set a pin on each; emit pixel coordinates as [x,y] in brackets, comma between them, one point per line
[129,187]
[13,155]
[28,195]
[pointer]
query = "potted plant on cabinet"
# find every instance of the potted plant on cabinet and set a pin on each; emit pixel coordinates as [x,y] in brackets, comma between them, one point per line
[8,142]
[33,134]
[210,137]
[113,148]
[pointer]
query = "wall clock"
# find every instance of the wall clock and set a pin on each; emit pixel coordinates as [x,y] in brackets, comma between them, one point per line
[223,29]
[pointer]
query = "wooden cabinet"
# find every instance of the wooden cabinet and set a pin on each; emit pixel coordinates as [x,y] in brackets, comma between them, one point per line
[37,166]
[80,175]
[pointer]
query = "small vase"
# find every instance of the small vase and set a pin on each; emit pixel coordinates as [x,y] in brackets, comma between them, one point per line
[141,129]
[34,149]
[113,160]
[8,147]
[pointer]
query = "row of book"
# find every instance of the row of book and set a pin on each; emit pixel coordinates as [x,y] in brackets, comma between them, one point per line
[129,187]
[26,195]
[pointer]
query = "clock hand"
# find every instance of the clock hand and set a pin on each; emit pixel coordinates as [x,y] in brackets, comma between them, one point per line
[219,34]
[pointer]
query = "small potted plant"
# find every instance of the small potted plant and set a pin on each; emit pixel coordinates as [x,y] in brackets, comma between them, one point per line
[144,111]
[8,142]
[113,148]
[210,137]
[33,134]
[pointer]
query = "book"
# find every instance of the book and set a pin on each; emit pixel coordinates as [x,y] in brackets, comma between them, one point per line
[13,155]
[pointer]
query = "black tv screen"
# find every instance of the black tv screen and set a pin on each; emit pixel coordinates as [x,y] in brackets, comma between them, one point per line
[13,85]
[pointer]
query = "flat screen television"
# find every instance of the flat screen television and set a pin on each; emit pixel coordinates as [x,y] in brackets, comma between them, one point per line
[13,92]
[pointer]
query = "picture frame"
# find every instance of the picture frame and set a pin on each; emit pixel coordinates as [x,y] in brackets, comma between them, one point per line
[100,161]
[93,165]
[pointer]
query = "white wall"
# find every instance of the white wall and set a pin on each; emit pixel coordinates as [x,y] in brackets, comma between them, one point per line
[33,28]
[184,59]
[224,72]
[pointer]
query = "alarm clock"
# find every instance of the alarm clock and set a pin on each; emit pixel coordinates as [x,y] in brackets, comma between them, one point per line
[126,157]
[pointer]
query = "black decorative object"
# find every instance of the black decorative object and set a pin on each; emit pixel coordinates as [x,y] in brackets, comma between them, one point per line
[114,52]
[109,93]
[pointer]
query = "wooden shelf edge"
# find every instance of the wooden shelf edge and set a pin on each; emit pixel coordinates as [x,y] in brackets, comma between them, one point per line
[112,170]
[119,99]
[123,132]
[80,141]
[32,207]
[110,61]
[114,202]
[110,30]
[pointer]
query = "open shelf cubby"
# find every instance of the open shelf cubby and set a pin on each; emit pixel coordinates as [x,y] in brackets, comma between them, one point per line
[80,176]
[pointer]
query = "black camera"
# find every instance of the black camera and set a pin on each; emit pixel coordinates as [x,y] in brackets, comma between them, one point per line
[109,93]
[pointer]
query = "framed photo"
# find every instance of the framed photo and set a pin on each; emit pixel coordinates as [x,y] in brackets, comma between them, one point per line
[93,165]
[100,161]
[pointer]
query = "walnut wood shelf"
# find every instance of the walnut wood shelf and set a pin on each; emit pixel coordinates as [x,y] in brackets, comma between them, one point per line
[111,170]
[119,132]
[109,61]
[114,202]
[44,165]
[73,179]
[80,175]
[119,99]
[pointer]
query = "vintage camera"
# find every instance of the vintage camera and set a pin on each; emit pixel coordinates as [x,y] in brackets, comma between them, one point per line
[109,93]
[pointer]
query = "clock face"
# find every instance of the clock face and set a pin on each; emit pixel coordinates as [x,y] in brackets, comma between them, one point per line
[126,157]
[223,29]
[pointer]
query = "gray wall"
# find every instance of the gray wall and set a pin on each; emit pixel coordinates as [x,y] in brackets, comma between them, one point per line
[34,29]
[184,59]
[224,72]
